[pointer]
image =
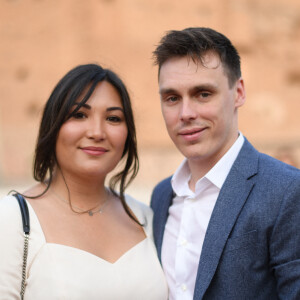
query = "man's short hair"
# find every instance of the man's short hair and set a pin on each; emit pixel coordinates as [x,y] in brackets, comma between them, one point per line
[194,43]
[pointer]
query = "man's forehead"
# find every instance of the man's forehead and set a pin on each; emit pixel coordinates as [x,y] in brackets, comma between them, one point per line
[209,59]
[184,68]
[185,65]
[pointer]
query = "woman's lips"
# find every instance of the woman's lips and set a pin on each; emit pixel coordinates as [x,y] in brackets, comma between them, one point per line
[96,151]
[191,134]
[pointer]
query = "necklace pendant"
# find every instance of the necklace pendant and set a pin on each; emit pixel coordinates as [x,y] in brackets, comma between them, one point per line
[90,213]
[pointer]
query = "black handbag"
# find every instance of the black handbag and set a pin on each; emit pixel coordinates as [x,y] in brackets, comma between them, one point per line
[26,229]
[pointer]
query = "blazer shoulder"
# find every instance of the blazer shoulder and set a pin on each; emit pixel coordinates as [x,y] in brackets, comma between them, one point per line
[251,162]
[277,180]
[164,187]
[269,166]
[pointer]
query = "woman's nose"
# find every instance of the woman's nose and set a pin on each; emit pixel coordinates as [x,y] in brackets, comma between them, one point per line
[96,130]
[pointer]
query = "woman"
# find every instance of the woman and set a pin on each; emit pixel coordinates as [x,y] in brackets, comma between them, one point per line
[87,241]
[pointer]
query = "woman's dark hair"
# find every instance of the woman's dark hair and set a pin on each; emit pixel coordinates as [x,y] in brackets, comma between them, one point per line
[194,43]
[82,80]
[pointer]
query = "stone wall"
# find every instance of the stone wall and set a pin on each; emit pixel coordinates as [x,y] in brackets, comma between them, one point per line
[42,39]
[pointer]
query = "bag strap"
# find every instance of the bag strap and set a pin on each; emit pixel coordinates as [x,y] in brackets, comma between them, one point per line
[24,212]
[26,229]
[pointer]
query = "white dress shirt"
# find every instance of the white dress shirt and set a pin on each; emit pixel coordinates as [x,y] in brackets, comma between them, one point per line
[188,220]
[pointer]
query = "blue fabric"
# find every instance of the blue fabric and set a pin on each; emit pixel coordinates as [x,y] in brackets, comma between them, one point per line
[251,248]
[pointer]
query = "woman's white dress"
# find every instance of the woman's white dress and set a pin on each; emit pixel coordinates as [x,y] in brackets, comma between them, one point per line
[57,272]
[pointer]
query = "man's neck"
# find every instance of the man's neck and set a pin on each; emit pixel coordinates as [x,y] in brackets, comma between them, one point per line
[198,169]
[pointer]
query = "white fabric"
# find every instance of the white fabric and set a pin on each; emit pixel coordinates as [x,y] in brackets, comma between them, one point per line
[61,272]
[188,220]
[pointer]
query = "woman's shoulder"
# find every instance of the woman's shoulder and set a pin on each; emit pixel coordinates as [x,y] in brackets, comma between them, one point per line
[141,210]
[7,200]
[9,209]
[11,220]
[11,217]
[138,205]
[11,226]
[12,249]
[11,229]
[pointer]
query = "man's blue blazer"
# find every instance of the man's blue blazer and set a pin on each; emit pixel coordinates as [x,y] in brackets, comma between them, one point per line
[251,248]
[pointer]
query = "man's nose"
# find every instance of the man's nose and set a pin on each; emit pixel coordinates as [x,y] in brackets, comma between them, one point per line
[188,110]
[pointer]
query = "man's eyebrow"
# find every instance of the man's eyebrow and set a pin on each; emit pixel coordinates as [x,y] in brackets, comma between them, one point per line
[200,87]
[203,87]
[167,91]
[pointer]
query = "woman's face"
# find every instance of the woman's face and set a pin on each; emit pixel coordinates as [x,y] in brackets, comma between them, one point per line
[91,142]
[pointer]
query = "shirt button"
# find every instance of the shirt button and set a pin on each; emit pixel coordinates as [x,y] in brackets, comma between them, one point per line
[183,287]
[191,199]
[184,243]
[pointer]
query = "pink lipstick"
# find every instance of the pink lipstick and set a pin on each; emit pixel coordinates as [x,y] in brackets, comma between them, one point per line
[95,151]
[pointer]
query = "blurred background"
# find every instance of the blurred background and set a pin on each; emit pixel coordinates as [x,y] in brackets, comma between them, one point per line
[40,40]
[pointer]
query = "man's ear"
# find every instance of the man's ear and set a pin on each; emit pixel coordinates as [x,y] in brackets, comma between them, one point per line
[240,92]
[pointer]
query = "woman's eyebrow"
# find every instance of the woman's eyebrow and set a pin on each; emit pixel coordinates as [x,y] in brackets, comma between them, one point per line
[115,108]
[83,105]
[87,106]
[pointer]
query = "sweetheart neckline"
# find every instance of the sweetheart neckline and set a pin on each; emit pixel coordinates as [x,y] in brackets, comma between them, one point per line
[96,256]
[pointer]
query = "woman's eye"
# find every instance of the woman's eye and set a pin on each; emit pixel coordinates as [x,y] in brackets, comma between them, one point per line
[114,119]
[79,115]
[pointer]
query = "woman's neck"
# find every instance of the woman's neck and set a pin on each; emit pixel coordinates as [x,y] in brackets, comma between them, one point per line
[82,193]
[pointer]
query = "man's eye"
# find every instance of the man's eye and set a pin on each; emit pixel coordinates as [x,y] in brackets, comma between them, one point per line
[172,98]
[205,94]
[79,115]
[114,119]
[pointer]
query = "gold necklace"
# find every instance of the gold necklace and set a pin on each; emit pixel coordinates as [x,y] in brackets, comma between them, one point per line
[90,212]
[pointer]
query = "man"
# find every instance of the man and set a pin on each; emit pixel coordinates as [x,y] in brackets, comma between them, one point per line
[227,223]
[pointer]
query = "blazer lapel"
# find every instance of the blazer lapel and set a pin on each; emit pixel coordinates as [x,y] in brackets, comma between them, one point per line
[161,215]
[231,200]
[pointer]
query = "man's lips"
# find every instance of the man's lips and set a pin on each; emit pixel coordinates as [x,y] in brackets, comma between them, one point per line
[190,131]
[94,150]
[191,134]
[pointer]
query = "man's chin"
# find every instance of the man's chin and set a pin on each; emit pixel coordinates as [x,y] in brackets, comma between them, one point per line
[192,151]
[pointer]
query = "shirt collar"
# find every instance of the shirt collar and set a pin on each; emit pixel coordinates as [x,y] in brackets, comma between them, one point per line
[216,175]
[180,179]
